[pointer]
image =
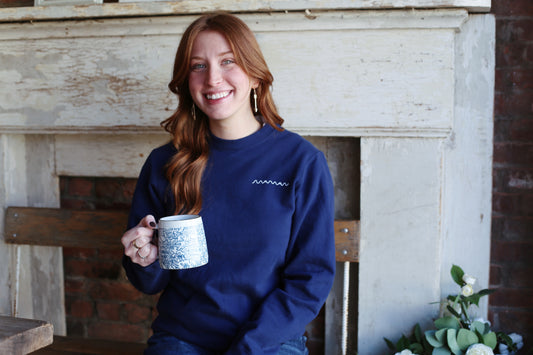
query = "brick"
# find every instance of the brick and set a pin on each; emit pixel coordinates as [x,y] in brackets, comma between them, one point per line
[83,253]
[507,251]
[117,331]
[520,277]
[76,204]
[93,268]
[501,130]
[510,55]
[108,311]
[513,154]
[113,290]
[506,203]
[515,180]
[518,229]
[137,314]
[522,78]
[81,309]
[495,276]
[514,29]
[80,187]
[512,8]
[505,297]
[514,102]
[522,129]
[74,286]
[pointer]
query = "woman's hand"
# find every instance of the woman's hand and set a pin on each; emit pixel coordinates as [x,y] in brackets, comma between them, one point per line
[138,242]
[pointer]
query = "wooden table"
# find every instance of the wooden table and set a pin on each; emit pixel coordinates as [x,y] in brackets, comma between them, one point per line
[20,336]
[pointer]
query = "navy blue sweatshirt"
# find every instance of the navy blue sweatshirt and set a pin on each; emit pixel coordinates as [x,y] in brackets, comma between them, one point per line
[268,218]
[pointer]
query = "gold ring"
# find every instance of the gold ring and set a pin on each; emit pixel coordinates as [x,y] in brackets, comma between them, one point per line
[140,256]
[135,245]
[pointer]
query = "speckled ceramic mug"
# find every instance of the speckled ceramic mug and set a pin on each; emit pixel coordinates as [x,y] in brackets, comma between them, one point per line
[182,243]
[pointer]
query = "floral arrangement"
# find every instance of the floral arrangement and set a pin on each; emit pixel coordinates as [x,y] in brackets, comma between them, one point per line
[455,332]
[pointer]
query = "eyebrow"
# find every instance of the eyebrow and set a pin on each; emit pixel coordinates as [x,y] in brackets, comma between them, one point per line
[219,55]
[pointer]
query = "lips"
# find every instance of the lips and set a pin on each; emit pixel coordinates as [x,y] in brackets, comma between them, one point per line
[218,95]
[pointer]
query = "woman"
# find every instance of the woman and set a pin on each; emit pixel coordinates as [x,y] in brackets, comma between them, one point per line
[265,196]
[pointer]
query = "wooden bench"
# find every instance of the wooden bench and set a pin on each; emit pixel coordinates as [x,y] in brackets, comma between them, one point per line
[103,229]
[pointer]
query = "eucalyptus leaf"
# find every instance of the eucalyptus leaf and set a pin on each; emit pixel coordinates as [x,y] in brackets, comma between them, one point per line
[478,326]
[447,322]
[465,338]
[432,340]
[441,351]
[452,342]
[490,340]
[441,335]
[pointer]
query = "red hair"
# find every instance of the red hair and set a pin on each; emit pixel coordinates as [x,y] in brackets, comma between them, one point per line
[191,134]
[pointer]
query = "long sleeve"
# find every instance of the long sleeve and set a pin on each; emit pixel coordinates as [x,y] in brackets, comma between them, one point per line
[308,273]
[149,198]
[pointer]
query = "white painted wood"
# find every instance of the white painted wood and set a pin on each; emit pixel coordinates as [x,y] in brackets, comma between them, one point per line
[399,265]
[153,8]
[376,78]
[66,2]
[468,160]
[104,155]
[35,273]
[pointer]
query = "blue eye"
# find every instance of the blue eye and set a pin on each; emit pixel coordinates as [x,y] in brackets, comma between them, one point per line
[198,67]
[228,61]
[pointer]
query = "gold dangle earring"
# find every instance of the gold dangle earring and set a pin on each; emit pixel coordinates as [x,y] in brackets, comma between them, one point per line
[193,112]
[255,101]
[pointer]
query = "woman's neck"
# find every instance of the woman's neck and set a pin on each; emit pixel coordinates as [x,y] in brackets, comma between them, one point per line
[228,130]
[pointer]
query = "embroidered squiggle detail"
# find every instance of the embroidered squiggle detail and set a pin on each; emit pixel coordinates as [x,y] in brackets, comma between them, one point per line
[270,182]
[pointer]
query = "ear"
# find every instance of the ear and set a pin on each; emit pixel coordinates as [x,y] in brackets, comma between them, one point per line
[254,83]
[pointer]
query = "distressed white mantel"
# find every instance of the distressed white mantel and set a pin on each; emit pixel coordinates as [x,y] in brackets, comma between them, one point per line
[86,98]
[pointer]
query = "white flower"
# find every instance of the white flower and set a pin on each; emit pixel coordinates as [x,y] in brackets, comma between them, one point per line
[405,352]
[467,290]
[517,339]
[479,349]
[469,280]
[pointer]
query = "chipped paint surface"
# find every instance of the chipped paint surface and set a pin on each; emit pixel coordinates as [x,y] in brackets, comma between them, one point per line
[375,75]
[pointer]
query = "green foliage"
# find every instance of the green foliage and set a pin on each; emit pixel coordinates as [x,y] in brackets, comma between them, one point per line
[454,333]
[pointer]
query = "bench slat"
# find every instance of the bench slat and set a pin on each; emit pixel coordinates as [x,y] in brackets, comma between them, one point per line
[103,229]
[65,228]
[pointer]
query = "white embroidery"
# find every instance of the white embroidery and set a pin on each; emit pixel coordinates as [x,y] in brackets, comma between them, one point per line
[270,182]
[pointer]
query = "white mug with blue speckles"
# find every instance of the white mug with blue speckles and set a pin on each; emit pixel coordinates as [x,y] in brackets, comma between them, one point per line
[182,243]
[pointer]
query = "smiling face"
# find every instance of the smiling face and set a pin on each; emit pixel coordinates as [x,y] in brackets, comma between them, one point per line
[218,86]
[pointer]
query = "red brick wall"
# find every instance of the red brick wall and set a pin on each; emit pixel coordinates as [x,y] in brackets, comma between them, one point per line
[511,307]
[99,300]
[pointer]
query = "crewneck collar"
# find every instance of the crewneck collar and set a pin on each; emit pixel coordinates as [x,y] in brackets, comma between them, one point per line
[252,140]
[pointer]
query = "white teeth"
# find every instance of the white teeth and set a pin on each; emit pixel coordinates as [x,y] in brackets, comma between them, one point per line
[217,95]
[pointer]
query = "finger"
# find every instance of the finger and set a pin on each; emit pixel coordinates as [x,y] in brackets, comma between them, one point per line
[148,222]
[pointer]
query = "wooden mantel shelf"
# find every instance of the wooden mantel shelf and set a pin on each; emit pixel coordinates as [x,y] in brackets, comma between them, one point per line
[188,7]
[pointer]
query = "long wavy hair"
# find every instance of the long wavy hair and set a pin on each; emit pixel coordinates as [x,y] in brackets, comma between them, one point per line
[189,126]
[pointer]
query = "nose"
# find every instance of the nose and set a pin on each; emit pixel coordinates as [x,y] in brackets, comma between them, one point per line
[214,75]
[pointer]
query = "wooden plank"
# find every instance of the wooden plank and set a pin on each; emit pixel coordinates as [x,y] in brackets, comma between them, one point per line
[78,346]
[103,229]
[347,235]
[22,336]
[62,227]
